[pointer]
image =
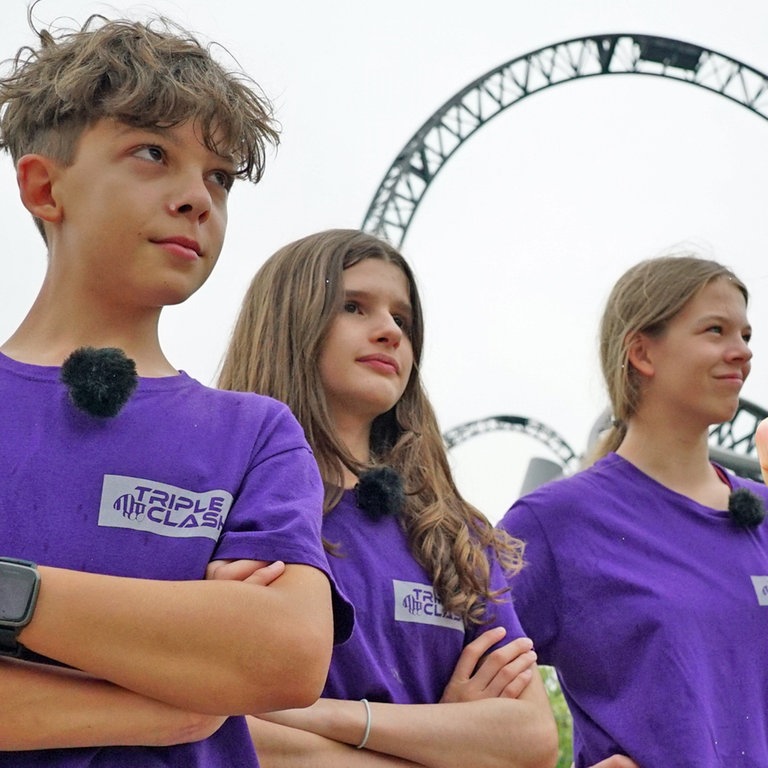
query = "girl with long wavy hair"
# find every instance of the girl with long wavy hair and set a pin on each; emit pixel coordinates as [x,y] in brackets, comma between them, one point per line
[438,671]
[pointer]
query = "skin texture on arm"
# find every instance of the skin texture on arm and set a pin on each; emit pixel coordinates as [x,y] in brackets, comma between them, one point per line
[200,646]
[494,712]
[99,713]
[279,746]
[96,713]
[479,722]
[487,732]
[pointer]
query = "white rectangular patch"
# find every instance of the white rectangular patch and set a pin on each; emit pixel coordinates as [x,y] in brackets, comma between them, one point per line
[760,583]
[146,505]
[418,603]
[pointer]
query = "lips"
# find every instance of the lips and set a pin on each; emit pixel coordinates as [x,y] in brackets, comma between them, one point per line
[384,363]
[734,378]
[182,247]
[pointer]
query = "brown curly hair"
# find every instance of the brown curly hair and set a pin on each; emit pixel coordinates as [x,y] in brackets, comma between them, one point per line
[274,350]
[152,74]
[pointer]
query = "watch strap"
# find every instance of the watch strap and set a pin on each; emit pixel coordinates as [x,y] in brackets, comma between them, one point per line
[9,644]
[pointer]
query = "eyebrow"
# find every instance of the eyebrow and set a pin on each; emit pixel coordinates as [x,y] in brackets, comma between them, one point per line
[404,307]
[165,133]
[722,320]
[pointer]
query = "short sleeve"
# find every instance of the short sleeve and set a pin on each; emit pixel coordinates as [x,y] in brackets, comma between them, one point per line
[536,587]
[277,511]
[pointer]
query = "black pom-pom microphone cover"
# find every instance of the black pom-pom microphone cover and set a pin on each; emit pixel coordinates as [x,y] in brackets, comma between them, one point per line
[100,381]
[746,508]
[380,492]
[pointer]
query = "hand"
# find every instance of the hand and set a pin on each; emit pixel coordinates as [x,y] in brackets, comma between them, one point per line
[761,442]
[257,572]
[504,673]
[616,761]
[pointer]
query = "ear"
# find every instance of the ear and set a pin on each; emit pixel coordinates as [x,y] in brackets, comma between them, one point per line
[35,175]
[639,354]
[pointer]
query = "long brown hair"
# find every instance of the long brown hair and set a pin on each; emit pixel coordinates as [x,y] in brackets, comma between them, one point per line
[274,350]
[644,300]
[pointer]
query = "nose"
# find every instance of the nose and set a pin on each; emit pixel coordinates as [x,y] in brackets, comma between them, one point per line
[191,198]
[741,351]
[387,331]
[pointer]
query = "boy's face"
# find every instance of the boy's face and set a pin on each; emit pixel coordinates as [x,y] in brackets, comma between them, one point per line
[143,214]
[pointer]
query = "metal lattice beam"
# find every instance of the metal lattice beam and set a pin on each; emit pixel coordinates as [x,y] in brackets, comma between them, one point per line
[732,443]
[541,432]
[408,178]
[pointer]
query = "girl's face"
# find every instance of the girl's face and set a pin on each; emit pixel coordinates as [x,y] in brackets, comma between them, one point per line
[696,368]
[367,357]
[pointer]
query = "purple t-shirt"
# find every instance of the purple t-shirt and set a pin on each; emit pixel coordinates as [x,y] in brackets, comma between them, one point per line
[404,646]
[654,610]
[182,475]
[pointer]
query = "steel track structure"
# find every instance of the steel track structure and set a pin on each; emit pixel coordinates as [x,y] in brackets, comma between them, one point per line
[731,443]
[416,166]
[406,182]
[566,456]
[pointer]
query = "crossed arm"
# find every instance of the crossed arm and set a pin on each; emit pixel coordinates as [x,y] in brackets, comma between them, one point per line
[497,715]
[164,662]
[417,736]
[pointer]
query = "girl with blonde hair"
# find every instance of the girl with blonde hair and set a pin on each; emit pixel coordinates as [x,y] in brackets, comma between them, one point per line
[645,571]
[332,325]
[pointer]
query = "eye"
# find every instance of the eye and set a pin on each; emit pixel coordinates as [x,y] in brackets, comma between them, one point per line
[151,152]
[350,306]
[747,336]
[718,329]
[224,179]
[402,322]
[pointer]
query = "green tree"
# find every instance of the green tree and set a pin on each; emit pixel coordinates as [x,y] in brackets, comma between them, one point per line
[562,716]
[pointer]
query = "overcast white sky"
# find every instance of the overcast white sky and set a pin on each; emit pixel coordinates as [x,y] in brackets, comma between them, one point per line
[522,234]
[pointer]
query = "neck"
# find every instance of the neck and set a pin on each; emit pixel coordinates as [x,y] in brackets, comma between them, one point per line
[52,330]
[676,458]
[355,435]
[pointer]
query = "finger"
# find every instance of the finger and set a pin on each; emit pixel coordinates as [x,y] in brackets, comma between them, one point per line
[508,673]
[236,570]
[213,567]
[266,575]
[513,653]
[761,442]
[520,682]
[474,651]
[616,761]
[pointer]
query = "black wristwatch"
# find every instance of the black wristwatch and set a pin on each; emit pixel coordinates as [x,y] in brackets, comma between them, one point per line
[19,585]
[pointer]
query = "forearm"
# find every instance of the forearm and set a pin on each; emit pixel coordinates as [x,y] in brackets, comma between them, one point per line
[50,707]
[513,733]
[205,646]
[280,746]
[487,733]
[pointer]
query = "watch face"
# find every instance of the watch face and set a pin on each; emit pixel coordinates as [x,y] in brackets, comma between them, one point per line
[16,590]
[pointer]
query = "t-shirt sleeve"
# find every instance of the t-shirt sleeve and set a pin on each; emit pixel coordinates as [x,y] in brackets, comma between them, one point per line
[536,587]
[501,612]
[277,511]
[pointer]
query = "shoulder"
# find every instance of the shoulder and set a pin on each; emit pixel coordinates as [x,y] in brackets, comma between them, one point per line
[581,489]
[737,481]
[246,416]
[247,404]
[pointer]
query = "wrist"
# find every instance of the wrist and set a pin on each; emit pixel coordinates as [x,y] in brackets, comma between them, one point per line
[19,587]
[367,731]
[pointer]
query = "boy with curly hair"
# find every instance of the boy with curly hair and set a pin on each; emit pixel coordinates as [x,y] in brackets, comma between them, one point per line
[126,138]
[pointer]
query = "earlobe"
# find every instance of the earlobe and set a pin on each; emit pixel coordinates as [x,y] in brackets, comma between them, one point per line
[35,176]
[639,354]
